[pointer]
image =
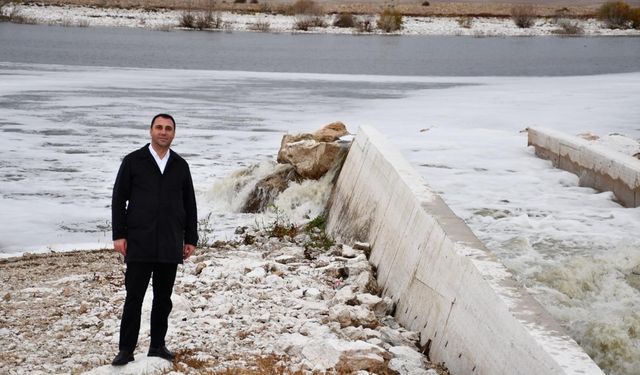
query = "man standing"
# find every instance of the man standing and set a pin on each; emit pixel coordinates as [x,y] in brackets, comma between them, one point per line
[155,228]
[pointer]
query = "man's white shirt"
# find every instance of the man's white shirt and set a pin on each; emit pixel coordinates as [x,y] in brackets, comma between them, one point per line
[161,162]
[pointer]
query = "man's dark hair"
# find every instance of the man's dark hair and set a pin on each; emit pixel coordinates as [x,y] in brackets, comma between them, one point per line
[163,115]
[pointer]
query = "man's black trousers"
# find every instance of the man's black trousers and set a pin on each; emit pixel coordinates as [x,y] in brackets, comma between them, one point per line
[136,281]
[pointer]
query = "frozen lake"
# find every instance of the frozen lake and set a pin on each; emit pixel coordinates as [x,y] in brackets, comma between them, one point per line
[66,126]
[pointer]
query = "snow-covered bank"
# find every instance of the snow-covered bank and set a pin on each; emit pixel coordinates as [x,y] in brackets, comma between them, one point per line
[170,19]
[288,303]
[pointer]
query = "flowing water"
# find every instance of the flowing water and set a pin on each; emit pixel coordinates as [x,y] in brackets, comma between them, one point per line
[66,122]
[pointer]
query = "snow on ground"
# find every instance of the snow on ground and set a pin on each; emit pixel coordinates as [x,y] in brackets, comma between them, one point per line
[168,19]
[265,302]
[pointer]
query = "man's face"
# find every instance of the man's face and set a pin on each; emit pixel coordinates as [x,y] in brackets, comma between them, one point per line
[162,132]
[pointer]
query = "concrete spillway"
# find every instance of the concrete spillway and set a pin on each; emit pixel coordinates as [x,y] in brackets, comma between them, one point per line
[470,311]
[597,166]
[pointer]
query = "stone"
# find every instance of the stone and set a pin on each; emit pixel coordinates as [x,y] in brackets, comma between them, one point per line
[312,293]
[353,316]
[199,267]
[331,132]
[343,296]
[285,259]
[326,354]
[268,188]
[384,307]
[364,246]
[311,159]
[348,252]
[393,337]
[368,299]
[257,273]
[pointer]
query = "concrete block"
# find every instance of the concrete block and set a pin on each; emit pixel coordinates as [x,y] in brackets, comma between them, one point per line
[468,308]
[596,166]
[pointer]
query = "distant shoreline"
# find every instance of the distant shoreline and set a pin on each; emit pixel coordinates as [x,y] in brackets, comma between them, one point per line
[471,21]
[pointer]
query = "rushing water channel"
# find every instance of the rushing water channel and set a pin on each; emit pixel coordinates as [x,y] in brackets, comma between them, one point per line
[73,101]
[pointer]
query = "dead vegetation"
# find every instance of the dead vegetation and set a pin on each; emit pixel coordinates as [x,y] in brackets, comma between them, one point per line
[440,9]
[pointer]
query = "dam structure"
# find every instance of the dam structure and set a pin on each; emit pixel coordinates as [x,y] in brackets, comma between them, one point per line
[470,311]
[596,166]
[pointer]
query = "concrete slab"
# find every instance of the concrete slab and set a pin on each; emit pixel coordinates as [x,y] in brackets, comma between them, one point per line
[596,166]
[469,309]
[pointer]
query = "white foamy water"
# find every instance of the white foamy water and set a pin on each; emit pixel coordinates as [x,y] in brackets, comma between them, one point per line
[65,130]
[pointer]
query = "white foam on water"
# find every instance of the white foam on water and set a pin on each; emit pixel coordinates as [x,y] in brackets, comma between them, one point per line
[65,130]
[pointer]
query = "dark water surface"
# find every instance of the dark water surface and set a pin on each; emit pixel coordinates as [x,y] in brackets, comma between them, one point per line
[318,53]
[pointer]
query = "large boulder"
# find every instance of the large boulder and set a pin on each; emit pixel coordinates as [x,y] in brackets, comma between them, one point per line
[312,155]
[331,132]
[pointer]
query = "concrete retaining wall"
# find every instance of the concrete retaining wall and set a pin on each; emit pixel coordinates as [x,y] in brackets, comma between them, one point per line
[468,308]
[596,166]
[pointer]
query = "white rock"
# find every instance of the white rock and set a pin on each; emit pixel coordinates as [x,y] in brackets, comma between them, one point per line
[142,365]
[383,307]
[393,337]
[353,316]
[327,354]
[274,280]
[285,259]
[348,252]
[257,273]
[368,299]
[292,343]
[312,293]
[223,310]
[264,318]
[343,296]
[364,246]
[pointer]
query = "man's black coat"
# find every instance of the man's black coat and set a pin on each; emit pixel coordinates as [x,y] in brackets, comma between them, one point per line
[161,212]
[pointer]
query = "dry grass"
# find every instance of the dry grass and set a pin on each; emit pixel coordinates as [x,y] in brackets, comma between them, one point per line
[442,9]
[261,26]
[390,20]
[523,16]
[187,361]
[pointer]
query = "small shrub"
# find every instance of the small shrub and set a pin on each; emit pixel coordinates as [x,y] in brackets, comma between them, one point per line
[523,16]
[319,222]
[262,26]
[364,24]
[16,17]
[254,1]
[635,18]
[205,231]
[390,20]
[465,22]
[566,27]
[305,23]
[187,19]
[425,4]
[203,21]
[561,13]
[344,20]
[239,1]
[304,7]
[615,14]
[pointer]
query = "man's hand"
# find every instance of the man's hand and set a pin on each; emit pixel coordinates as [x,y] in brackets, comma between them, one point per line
[187,251]
[120,245]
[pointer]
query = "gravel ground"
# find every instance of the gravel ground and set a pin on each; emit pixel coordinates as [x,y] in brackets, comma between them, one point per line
[255,306]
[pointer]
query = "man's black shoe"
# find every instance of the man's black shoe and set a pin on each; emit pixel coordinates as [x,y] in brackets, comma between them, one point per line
[161,352]
[122,358]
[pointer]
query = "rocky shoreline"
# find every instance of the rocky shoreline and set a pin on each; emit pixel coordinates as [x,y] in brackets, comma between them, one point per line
[457,23]
[281,297]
